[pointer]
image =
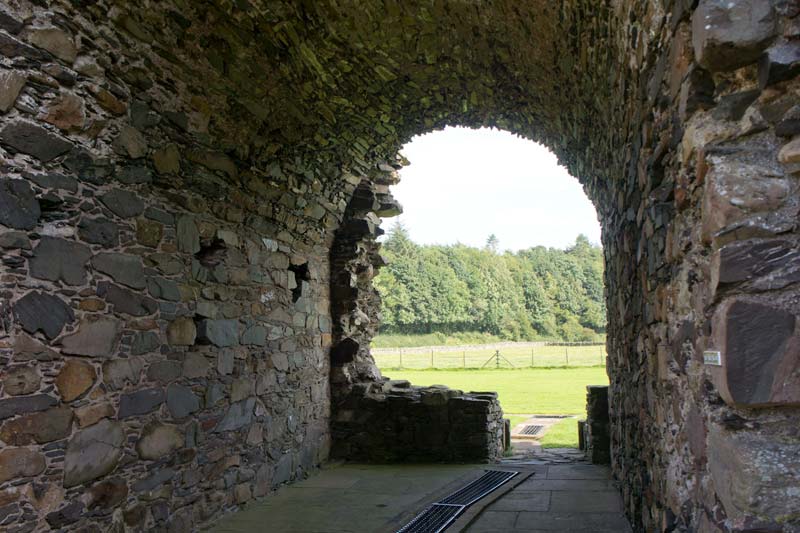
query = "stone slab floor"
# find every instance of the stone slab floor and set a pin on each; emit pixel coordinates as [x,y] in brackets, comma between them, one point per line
[567,498]
[369,498]
[350,499]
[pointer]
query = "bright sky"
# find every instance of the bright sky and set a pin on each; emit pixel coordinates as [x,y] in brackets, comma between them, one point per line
[462,185]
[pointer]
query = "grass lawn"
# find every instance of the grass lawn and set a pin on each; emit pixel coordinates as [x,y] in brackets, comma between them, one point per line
[516,419]
[564,434]
[542,391]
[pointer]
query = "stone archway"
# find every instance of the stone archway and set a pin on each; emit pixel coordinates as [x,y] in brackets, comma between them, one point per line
[174,177]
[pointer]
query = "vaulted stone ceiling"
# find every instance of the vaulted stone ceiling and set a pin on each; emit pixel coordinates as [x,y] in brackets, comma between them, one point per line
[353,81]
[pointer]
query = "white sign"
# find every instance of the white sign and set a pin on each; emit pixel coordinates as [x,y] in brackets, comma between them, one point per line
[711,357]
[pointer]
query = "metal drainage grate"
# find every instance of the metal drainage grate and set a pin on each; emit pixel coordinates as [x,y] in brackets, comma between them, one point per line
[479,488]
[440,515]
[434,519]
[531,430]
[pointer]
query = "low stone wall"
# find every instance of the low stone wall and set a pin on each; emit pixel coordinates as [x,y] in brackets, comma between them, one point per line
[596,431]
[394,421]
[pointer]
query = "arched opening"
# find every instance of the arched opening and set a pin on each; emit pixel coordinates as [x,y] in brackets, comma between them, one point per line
[363,423]
[472,186]
[494,280]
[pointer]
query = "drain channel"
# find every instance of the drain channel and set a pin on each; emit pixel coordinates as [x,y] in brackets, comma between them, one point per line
[434,519]
[440,515]
[531,430]
[479,488]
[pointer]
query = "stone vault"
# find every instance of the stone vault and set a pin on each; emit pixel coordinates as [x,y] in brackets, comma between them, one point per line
[190,195]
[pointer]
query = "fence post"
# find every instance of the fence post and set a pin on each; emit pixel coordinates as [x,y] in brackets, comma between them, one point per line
[432,365]
[532,363]
[401,358]
[566,353]
[464,358]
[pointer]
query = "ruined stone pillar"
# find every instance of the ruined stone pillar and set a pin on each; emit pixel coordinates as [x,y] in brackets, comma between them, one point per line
[596,433]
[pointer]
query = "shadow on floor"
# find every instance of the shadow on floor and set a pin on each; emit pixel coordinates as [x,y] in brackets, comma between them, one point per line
[569,496]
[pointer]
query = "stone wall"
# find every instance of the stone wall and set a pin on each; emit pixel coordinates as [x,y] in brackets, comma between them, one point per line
[189,199]
[376,419]
[700,260]
[392,421]
[164,319]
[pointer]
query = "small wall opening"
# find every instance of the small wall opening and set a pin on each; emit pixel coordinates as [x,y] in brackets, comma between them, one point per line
[211,253]
[297,275]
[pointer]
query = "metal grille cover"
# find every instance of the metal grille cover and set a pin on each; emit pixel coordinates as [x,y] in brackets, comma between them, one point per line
[440,515]
[531,430]
[479,488]
[434,519]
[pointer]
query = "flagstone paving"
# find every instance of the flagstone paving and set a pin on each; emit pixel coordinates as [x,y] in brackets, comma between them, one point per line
[562,494]
[564,498]
[351,499]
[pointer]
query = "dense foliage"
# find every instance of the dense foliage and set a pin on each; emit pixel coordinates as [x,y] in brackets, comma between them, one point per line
[535,293]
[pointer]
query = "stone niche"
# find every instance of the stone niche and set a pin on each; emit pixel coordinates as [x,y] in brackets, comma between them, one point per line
[190,196]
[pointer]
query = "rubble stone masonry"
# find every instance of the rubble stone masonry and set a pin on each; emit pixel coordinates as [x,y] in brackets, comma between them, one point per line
[190,196]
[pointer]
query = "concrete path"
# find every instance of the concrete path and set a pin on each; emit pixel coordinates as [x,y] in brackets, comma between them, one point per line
[546,421]
[381,499]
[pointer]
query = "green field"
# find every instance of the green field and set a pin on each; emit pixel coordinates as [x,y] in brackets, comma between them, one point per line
[551,391]
[563,434]
[478,357]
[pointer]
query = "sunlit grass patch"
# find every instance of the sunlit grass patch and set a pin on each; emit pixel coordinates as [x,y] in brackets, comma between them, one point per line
[563,434]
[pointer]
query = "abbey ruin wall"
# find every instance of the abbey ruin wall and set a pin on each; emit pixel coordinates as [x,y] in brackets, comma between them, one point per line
[189,200]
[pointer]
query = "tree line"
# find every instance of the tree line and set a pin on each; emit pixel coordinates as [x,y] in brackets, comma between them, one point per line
[531,294]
